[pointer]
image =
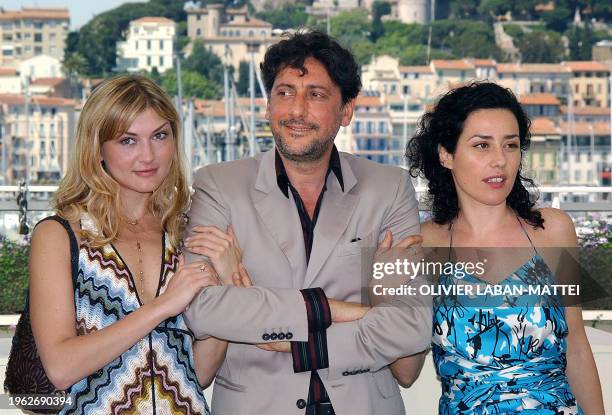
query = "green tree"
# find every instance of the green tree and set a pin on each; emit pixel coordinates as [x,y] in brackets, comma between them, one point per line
[559,18]
[243,78]
[463,9]
[491,8]
[96,41]
[580,42]
[195,85]
[288,16]
[14,259]
[205,62]
[541,47]
[351,26]
[379,9]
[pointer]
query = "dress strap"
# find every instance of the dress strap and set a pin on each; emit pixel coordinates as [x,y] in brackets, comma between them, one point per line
[450,239]
[527,235]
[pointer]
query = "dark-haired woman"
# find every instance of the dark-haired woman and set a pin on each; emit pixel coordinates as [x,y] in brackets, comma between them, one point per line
[521,357]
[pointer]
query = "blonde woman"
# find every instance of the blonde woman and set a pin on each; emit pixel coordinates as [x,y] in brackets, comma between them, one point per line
[114,338]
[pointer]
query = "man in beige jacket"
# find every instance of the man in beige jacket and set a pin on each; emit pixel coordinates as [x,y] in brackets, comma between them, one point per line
[302,213]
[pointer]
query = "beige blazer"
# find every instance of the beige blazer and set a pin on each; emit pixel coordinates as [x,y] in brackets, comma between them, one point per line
[252,381]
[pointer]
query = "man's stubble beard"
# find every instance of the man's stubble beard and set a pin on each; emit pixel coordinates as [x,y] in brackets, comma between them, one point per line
[313,152]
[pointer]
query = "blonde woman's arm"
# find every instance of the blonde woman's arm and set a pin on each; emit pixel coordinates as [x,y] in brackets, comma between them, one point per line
[66,357]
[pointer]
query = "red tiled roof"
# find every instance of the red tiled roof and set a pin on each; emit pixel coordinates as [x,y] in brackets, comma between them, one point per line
[543,126]
[252,22]
[365,101]
[584,128]
[8,72]
[153,19]
[586,66]
[415,69]
[36,13]
[457,64]
[531,68]
[38,99]
[586,110]
[47,81]
[539,99]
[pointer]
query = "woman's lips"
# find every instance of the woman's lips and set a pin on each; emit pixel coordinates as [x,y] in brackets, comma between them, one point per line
[495,182]
[146,173]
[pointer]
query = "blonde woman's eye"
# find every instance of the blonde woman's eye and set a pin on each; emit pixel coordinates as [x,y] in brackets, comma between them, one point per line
[161,135]
[126,141]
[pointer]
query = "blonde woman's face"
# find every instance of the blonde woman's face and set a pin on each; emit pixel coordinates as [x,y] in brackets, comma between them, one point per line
[140,159]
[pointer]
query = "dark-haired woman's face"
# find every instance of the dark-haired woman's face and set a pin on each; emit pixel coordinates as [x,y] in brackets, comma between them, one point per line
[487,157]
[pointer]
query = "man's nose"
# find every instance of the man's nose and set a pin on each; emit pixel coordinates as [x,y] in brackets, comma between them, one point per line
[297,107]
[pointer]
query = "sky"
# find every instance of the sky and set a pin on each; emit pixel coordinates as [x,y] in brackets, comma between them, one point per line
[81,11]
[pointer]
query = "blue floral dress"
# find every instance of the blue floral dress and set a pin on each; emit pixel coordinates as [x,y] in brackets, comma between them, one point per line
[504,358]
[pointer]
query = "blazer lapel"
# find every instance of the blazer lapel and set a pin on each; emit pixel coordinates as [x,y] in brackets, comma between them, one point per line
[334,217]
[280,217]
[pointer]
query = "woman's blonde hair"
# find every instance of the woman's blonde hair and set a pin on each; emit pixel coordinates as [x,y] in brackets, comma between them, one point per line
[87,187]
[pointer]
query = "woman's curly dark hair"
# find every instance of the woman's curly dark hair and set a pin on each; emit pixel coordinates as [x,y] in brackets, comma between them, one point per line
[443,126]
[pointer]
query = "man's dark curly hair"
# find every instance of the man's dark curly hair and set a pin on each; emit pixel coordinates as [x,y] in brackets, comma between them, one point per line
[443,126]
[293,51]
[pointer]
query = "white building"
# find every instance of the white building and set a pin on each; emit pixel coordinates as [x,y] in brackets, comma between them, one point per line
[149,43]
[42,66]
[231,34]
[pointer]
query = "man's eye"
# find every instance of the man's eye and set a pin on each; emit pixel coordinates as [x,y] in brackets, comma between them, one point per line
[127,141]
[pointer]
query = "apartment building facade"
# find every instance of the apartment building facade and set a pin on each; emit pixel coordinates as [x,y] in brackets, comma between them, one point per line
[149,44]
[231,34]
[31,32]
[589,83]
[45,147]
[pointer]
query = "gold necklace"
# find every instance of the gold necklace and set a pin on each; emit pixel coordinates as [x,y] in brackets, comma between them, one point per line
[134,222]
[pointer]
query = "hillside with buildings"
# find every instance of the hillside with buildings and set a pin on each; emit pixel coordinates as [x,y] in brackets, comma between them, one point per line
[411,51]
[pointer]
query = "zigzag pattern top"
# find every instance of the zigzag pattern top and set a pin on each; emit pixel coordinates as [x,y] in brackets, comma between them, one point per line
[154,376]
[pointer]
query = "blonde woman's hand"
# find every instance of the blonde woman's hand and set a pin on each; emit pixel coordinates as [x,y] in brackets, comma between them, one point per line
[221,248]
[186,283]
[241,278]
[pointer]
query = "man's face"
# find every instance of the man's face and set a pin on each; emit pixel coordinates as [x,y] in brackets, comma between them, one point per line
[305,112]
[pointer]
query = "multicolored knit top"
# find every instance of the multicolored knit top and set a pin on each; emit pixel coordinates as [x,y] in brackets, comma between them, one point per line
[156,375]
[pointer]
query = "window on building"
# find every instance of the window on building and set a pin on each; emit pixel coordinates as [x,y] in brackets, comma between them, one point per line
[149,44]
[370,128]
[198,32]
[53,151]
[52,36]
[577,176]
[161,45]
[7,52]
[38,50]
[38,24]
[161,61]
[577,88]
[199,17]
[357,127]
[382,127]
[148,61]
[37,37]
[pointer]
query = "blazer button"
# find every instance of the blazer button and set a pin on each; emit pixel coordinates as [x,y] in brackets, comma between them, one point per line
[281,336]
[301,403]
[273,336]
[289,336]
[265,337]
[345,373]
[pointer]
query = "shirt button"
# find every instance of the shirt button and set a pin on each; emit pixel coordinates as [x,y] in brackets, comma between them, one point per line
[273,336]
[345,373]
[281,336]
[301,403]
[265,337]
[289,336]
